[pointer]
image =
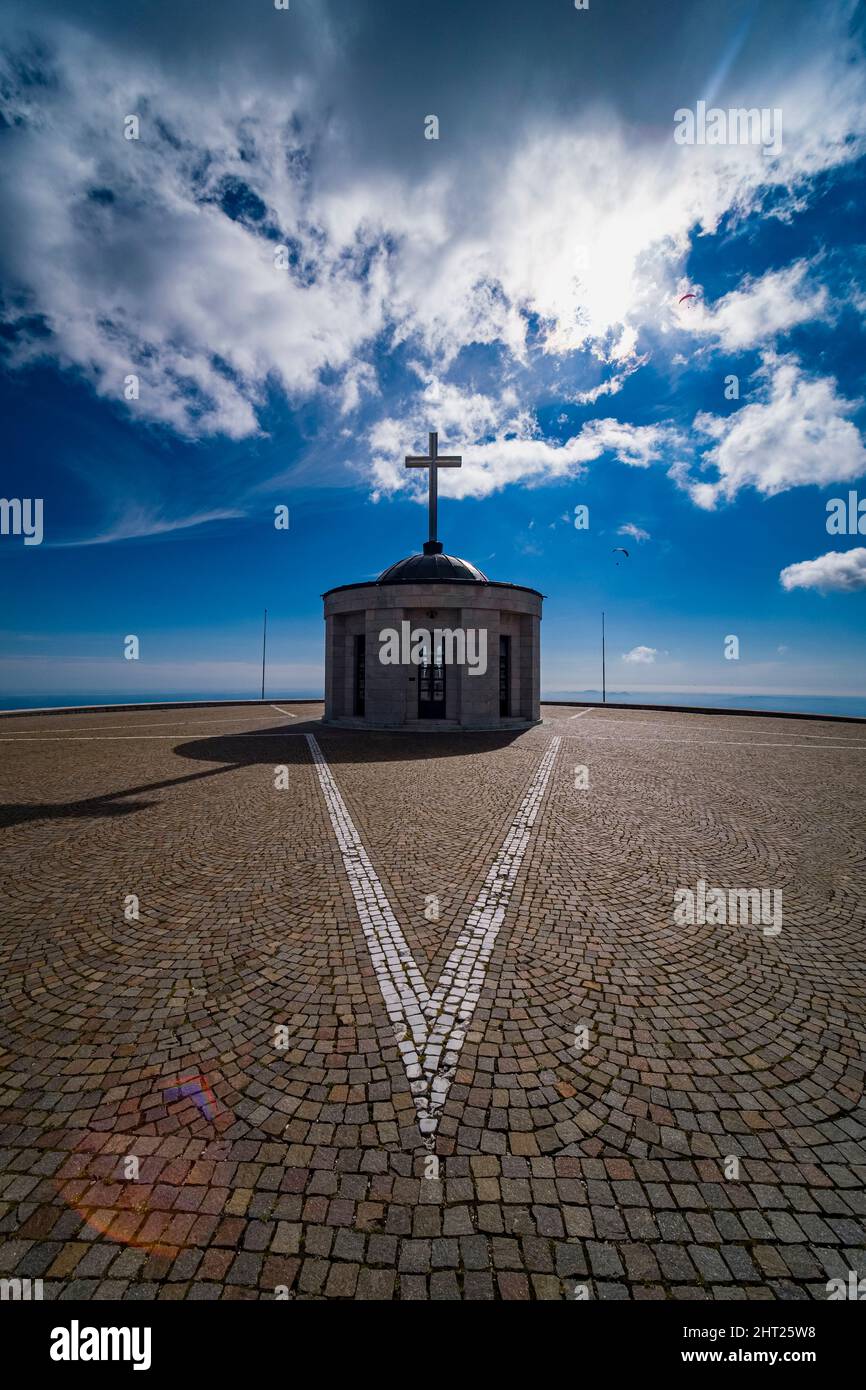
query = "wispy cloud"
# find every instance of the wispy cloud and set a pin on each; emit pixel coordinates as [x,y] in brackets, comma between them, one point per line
[637,533]
[139,524]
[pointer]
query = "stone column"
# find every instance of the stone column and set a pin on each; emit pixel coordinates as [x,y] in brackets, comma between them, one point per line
[334,666]
[530,666]
[386,685]
[479,695]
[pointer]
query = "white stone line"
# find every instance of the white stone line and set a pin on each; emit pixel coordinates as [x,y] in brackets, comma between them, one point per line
[596,738]
[431,1030]
[284,711]
[202,722]
[401,982]
[582,712]
[453,1001]
[722,743]
[669,724]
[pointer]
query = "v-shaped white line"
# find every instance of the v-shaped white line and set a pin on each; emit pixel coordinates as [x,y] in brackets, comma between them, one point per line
[431,1028]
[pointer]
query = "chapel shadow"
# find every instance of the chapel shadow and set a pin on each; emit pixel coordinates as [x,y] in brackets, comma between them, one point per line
[284,744]
[106,804]
[343,745]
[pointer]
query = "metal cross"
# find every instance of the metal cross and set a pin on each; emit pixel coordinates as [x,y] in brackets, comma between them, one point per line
[434,460]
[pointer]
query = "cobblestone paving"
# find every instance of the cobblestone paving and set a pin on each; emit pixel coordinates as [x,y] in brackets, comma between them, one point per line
[606,1169]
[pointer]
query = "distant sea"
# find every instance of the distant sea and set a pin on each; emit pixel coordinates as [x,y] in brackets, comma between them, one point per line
[783,704]
[97,697]
[794,704]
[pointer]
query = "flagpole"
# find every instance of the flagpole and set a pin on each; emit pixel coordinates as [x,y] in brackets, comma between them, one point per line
[264,648]
[603,680]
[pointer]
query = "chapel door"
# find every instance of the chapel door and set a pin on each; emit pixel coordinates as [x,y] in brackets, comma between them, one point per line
[431,689]
[504,677]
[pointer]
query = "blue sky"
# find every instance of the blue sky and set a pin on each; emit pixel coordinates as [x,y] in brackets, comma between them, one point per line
[516,284]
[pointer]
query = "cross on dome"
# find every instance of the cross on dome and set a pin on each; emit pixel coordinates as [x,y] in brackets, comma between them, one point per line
[434,461]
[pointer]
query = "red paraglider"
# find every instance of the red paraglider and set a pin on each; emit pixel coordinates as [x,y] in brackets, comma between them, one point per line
[690,295]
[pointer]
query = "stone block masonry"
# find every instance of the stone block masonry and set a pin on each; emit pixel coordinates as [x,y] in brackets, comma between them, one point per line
[704,1141]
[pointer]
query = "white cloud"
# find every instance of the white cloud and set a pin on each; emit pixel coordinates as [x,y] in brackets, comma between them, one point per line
[611,387]
[486,467]
[359,380]
[516,454]
[761,308]
[614,384]
[636,532]
[798,434]
[152,276]
[637,445]
[641,656]
[841,571]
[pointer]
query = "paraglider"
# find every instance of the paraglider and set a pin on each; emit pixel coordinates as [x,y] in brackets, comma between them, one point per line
[690,302]
[620,549]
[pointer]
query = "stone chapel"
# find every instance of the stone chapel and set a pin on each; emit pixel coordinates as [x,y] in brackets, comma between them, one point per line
[432,644]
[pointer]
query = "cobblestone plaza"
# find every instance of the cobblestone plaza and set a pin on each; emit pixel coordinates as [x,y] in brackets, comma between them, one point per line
[297,1011]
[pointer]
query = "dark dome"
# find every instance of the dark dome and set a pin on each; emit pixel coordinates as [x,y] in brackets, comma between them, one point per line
[435,569]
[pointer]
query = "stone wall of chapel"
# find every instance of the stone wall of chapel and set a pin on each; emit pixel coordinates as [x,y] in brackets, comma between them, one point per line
[471,701]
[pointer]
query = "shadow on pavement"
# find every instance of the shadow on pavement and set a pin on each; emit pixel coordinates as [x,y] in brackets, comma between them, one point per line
[236,751]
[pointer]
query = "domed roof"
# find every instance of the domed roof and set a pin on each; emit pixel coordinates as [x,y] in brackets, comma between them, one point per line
[432,569]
